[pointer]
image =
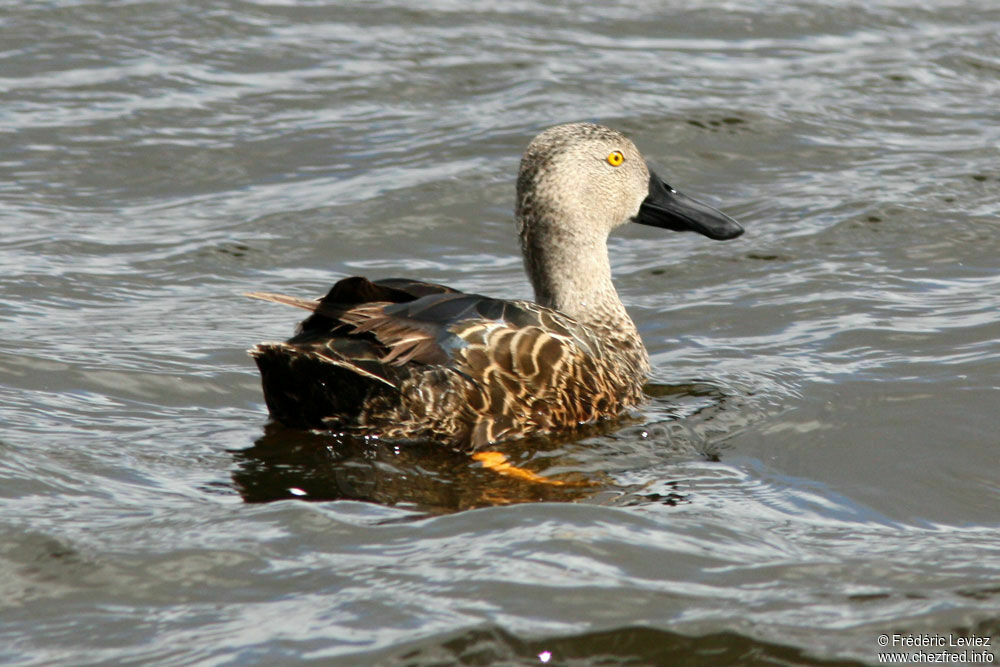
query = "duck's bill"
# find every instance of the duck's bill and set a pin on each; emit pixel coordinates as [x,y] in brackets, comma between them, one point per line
[667,208]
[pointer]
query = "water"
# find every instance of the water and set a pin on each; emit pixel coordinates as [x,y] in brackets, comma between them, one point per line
[817,464]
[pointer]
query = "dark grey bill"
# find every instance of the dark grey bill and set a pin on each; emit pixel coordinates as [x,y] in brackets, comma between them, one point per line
[667,208]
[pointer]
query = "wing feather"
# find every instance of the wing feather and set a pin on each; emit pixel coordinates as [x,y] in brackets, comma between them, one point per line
[426,323]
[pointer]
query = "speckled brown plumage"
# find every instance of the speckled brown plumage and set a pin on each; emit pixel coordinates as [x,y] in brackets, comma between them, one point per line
[404,359]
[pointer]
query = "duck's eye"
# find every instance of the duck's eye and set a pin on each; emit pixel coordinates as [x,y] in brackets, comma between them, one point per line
[615,158]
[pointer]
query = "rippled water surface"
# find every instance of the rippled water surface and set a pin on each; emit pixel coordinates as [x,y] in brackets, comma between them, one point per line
[818,461]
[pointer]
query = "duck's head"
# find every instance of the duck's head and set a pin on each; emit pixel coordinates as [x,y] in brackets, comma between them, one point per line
[583,179]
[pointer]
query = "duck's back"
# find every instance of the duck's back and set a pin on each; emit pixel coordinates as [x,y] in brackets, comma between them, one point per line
[406,359]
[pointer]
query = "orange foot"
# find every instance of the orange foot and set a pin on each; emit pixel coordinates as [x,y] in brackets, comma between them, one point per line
[497,462]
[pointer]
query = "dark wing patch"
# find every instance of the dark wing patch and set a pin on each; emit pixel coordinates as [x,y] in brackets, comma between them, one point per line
[345,293]
[415,288]
[358,289]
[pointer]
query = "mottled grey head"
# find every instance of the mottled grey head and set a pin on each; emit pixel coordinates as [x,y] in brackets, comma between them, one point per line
[579,181]
[582,175]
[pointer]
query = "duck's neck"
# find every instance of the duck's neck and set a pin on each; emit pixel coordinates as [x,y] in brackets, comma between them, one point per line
[571,273]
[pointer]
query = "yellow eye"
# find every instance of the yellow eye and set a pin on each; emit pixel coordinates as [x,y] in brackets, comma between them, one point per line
[615,158]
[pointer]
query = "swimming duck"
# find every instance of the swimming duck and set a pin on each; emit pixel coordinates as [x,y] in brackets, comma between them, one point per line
[404,359]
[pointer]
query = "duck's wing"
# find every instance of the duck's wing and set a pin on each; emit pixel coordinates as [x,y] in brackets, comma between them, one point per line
[422,322]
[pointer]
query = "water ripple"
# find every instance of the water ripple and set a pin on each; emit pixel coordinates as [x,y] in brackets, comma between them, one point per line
[813,466]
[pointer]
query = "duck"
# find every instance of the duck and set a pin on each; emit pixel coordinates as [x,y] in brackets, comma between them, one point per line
[401,359]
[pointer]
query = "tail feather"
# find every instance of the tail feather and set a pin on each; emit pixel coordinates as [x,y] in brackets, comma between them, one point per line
[307,304]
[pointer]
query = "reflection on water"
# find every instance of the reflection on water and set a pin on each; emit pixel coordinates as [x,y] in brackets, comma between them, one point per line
[285,464]
[307,465]
[641,646]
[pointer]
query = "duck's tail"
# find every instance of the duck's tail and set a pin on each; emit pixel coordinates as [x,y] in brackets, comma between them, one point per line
[305,388]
